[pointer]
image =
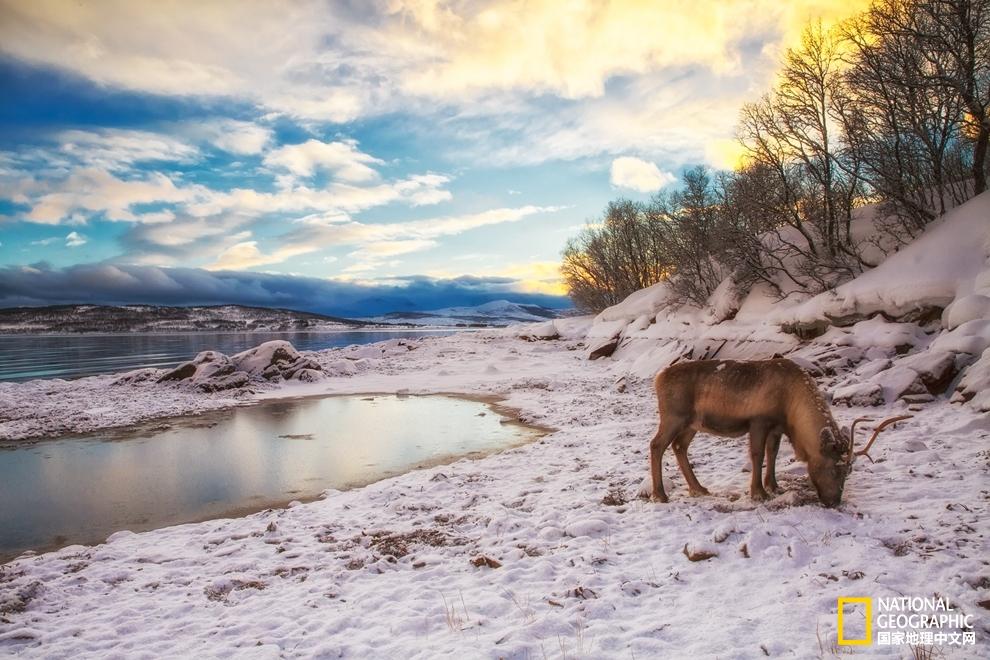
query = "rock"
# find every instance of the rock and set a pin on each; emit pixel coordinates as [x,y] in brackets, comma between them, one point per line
[138,376]
[546,331]
[227,382]
[806,330]
[602,348]
[308,375]
[486,562]
[698,552]
[273,361]
[181,372]
[964,309]
[923,315]
[859,394]
[936,369]
[974,386]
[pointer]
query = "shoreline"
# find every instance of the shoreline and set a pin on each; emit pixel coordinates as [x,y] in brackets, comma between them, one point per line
[509,416]
[152,333]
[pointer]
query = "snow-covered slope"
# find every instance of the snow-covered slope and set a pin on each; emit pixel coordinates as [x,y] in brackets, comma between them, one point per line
[914,328]
[494,313]
[947,262]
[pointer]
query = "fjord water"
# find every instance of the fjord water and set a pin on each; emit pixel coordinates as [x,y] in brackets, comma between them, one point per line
[25,357]
[81,490]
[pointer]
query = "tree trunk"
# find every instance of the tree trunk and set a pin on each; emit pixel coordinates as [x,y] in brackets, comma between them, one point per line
[980,157]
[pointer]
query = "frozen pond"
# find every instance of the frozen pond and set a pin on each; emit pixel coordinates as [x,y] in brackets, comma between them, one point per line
[23,357]
[81,490]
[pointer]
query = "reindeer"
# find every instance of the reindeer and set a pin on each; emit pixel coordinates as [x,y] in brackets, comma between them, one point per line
[767,399]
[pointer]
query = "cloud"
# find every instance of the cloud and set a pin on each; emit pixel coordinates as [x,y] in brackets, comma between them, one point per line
[119,149]
[398,237]
[342,159]
[230,135]
[128,284]
[639,175]
[74,239]
[92,190]
[541,277]
[343,61]
[383,249]
[375,242]
[247,255]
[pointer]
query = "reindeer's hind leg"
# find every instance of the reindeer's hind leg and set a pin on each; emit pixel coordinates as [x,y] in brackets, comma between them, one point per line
[757,444]
[681,444]
[669,429]
[773,445]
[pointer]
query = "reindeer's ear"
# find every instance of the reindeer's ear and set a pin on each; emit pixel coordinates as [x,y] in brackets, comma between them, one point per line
[830,444]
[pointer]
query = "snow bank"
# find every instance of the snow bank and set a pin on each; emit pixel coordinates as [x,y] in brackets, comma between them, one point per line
[941,265]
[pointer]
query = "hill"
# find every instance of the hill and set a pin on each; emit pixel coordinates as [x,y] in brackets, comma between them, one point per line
[494,313]
[157,318]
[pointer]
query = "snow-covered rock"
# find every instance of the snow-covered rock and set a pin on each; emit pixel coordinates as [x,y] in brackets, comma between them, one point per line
[211,371]
[974,386]
[965,309]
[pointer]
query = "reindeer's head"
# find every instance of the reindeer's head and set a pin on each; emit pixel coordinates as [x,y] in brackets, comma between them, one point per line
[828,475]
[838,453]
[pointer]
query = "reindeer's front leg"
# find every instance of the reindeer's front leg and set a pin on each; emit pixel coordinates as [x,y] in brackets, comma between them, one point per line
[757,444]
[773,445]
[668,430]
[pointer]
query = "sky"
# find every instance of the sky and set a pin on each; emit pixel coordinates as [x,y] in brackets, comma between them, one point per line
[353,156]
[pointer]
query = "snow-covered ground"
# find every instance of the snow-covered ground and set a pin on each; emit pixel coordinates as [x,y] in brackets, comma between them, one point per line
[544,550]
[583,569]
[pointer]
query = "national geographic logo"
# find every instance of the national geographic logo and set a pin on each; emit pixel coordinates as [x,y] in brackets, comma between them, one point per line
[867,603]
[903,620]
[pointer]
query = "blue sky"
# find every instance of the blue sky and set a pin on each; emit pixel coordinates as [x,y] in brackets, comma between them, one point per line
[415,152]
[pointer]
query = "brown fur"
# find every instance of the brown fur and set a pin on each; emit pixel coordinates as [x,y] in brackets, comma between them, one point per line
[766,399]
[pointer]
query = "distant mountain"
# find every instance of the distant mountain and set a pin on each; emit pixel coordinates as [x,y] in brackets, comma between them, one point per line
[495,313]
[156,318]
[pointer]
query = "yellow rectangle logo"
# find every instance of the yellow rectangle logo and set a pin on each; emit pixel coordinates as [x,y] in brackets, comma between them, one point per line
[868,604]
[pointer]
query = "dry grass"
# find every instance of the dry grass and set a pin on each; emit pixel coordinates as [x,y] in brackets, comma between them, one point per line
[456,621]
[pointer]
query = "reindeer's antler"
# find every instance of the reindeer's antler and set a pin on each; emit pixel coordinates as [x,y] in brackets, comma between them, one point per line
[852,429]
[884,424]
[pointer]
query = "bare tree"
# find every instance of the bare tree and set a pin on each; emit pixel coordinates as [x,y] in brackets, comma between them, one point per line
[904,129]
[689,223]
[793,134]
[891,108]
[609,260]
[956,45]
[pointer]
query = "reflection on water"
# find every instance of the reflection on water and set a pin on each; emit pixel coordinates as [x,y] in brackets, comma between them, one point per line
[80,490]
[23,357]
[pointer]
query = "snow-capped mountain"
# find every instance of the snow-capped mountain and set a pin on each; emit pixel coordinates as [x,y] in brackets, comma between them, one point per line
[494,313]
[156,318]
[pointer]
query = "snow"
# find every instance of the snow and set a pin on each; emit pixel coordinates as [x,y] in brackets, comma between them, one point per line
[403,567]
[494,313]
[545,549]
[945,262]
[964,309]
